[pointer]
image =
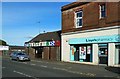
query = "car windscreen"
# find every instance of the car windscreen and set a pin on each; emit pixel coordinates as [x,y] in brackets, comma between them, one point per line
[21,54]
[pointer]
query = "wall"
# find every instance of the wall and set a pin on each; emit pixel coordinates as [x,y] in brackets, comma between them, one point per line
[91,17]
[84,34]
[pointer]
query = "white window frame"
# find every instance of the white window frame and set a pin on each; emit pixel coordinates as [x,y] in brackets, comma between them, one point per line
[78,18]
[100,11]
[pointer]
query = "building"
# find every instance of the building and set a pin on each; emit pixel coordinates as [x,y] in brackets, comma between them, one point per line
[90,33]
[17,48]
[3,47]
[45,46]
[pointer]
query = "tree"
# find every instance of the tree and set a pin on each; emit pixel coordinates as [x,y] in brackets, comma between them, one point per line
[2,42]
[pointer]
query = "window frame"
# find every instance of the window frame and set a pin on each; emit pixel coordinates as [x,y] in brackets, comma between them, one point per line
[76,18]
[100,11]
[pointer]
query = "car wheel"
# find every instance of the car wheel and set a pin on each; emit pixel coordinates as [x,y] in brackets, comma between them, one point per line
[17,59]
[11,59]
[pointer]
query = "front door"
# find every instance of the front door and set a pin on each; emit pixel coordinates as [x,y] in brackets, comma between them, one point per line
[117,55]
[103,54]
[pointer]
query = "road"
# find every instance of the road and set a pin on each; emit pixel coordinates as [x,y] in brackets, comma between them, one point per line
[38,68]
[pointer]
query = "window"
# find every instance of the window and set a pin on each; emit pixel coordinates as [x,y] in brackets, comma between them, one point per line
[102,11]
[78,16]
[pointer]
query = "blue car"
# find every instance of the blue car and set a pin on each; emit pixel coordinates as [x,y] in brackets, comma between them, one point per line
[19,56]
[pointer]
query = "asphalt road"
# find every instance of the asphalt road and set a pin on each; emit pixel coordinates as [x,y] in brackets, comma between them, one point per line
[37,68]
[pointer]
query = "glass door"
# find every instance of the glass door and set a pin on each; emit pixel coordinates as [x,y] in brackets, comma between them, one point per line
[103,54]
[117,54]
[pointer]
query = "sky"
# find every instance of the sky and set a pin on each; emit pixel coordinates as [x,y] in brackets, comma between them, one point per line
[22,21]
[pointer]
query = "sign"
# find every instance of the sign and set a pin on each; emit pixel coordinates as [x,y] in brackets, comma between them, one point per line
[52,43]
[4,47]
[57,43]
[88,49]
[45,43]
[82,52]
[96,39]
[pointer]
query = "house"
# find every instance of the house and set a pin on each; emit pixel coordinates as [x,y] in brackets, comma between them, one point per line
[45,46]
[90,33]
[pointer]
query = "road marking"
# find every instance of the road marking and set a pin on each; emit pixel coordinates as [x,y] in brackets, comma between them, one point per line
[3,67]
[69,67]
[33,64]
[24,74]
[43,66]
[75,72]
[36,61]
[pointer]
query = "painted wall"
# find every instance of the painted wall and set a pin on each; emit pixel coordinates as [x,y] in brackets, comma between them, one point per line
[84,34]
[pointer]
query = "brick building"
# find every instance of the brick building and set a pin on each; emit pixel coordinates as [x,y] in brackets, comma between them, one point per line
[45,46]
[90,33]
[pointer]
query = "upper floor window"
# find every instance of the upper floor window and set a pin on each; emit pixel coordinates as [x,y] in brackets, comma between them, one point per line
[79,19]
[102,11]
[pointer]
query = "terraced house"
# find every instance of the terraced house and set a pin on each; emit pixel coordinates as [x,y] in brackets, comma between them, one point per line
[91,33]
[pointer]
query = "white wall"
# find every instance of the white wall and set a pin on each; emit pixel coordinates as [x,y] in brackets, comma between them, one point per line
[95,54]
[111,54]
[82,34]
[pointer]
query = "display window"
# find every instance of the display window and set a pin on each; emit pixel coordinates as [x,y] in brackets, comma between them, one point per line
[83,53]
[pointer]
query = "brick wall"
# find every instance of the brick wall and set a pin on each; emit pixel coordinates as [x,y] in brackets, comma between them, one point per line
[90,16]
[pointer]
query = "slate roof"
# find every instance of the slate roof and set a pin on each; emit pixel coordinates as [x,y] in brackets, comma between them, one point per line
[48,36]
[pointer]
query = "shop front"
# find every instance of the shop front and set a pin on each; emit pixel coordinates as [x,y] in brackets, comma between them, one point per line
[48,50]
[82,53]
[98,49]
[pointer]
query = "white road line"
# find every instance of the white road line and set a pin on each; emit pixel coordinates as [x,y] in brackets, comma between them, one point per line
[24,74]
[36,61]
[75,72]
[43,66]
[33,64]
[3,67]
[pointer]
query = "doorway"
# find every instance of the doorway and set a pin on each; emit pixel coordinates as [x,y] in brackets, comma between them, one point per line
[38,52]
[117,54]
[103,53]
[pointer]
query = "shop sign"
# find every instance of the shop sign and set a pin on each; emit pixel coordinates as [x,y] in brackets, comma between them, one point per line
[43,43]
[57,43]
[4,47]
[97,39]
[52,43]
[47,43]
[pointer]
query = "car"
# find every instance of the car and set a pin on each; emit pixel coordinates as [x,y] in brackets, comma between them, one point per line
[19,56]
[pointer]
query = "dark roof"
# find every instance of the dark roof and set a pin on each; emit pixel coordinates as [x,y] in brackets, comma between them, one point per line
[56,35]
[72,5]
[17,47]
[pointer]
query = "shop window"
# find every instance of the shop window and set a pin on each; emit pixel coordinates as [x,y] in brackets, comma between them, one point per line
[102,10]
[79,19]
[83,53]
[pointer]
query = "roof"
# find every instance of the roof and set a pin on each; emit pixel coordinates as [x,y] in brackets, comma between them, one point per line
[56,35]
[17,47]
[72,5]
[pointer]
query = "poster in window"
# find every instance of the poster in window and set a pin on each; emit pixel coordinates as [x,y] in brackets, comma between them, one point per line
[88,49]
[82,52]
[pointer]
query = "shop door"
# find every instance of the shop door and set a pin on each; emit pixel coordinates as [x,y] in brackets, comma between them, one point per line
[117,55]
[103,54]
[38,52]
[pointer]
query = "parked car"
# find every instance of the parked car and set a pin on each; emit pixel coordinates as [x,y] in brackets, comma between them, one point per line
[19,56]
